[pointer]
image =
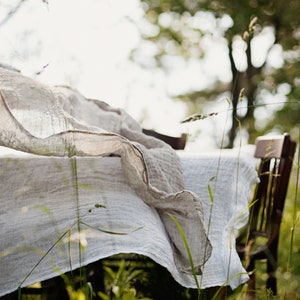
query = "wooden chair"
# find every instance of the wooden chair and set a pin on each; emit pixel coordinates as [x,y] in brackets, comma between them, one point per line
[177,143]
[262,234]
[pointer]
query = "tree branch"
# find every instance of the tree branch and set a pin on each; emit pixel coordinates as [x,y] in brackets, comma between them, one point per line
[12,12]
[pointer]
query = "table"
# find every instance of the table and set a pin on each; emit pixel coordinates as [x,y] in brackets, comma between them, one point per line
[40,237]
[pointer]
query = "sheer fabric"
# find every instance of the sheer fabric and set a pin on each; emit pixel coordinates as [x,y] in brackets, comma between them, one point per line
[59,121]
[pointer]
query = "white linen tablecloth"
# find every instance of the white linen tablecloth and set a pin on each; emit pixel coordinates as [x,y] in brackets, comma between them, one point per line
[60,122]
[42,236]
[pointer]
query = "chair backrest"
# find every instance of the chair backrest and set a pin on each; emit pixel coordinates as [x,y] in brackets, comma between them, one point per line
[276,155]
[177,143]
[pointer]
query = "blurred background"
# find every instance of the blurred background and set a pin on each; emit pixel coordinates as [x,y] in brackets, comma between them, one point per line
[231,67]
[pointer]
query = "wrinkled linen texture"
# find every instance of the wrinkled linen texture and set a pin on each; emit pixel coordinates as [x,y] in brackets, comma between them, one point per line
[60,122]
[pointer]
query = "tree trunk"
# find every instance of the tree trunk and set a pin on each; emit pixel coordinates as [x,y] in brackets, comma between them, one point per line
[243,81]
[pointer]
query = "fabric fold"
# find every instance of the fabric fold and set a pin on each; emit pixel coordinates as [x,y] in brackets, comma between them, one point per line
[59,121]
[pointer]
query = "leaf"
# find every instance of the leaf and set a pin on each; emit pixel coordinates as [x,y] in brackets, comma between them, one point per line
[211,197]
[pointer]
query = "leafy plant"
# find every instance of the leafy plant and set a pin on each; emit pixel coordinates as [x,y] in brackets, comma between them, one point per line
[120,283]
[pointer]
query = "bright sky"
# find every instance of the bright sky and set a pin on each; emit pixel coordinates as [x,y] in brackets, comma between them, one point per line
[86,44]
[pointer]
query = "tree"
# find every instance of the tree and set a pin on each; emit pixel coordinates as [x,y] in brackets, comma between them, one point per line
[10,10]
[180,31]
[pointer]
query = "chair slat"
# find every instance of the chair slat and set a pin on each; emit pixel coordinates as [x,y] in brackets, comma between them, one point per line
[177,143]
[276,154]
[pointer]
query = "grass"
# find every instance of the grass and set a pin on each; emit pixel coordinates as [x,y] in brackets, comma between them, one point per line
[146,280]
[289,245]
[288,272]
[134,282]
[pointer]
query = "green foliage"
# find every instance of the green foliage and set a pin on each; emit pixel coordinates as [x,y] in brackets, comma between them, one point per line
[180,230]
[152,281]
[143,279]
[119,284]
[288,272]
[182,27]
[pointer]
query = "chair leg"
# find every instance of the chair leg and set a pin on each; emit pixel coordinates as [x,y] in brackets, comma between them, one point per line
[251,294]
[55,289]
[272,280]
[217,292]
[251,282]
[12,296]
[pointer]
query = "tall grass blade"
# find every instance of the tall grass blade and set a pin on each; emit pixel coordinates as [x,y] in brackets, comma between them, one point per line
[187,250]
